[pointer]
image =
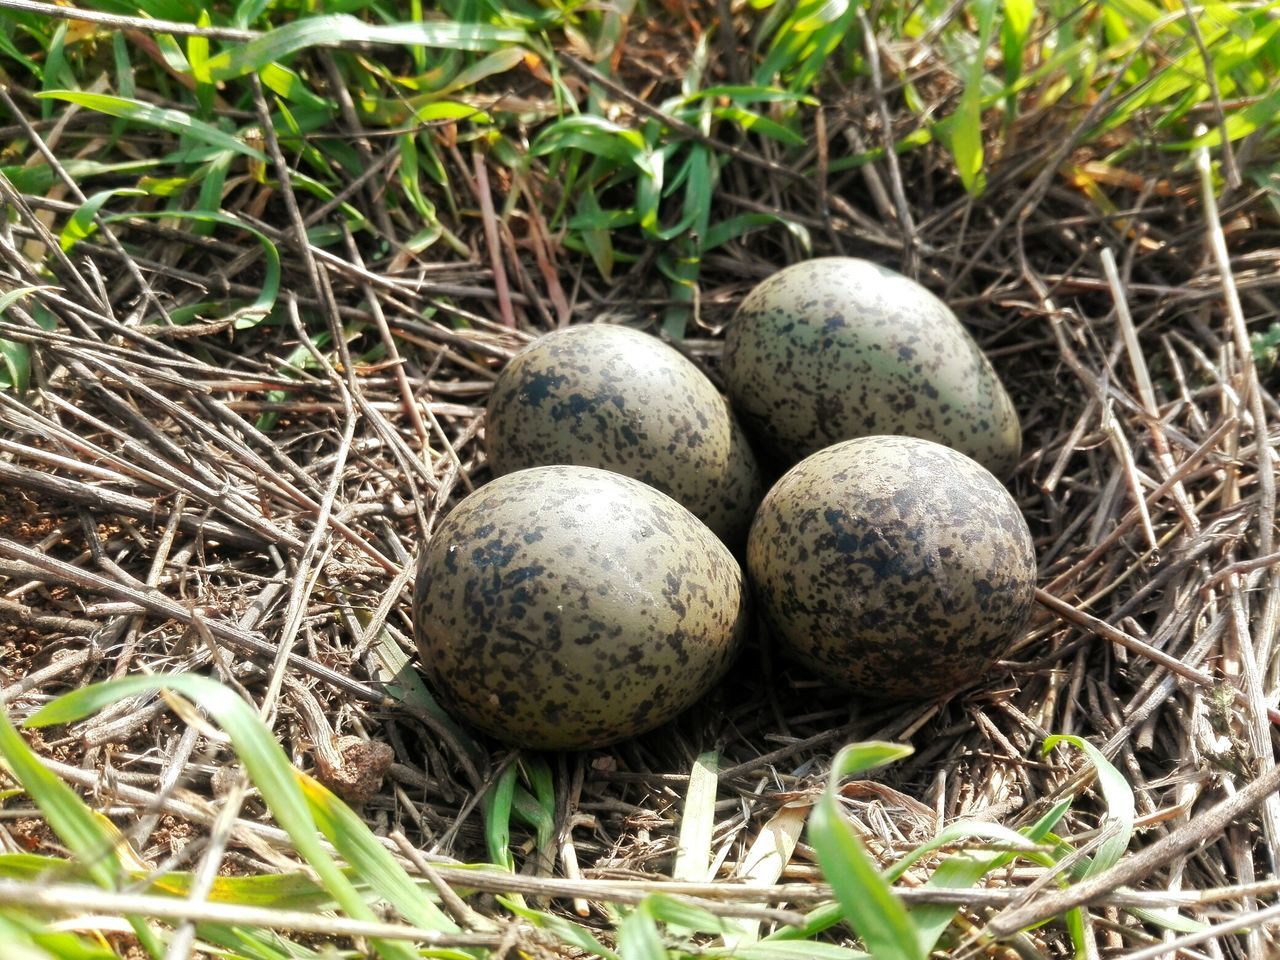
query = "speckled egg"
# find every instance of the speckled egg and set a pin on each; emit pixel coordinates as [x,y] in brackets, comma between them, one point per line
[893,565]
[566,607]
[836,348]
[599,395]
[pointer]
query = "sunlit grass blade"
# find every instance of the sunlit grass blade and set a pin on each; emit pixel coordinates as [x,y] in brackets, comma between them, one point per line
[26,938]
[866,898]
[697,820]
[92,838]
[1015,28]
[753,122]
[337,29]
[965,869]
[794,42]
[282,891]
[263,759]
[162,118]
[369,859]
[490,65]
[789,950]
[964,127]
[80,224]
[596,136]
[1121,808]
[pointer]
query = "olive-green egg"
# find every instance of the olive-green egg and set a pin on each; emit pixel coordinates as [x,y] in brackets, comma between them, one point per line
[600,395]
[567,607]
[836,348]
[892,565]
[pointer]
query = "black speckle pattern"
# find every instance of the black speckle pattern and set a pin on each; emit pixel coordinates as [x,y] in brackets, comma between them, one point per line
[893,565]
[605,396]
[568,607]
[836,348]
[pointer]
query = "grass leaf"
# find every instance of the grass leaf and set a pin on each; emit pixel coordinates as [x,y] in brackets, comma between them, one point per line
[262,756]
[92,838]
[255,312]
[697,820]
[865,896]
[339,29]
[687,916]
[497,817]
[1121,809]
[80,224]
[791,950]
[569,932]
[371,861]
[638,936]
[163,118]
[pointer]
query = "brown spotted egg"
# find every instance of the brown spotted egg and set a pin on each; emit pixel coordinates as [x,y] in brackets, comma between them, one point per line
[606,396]
[893,565]
[836,348]
[567,607]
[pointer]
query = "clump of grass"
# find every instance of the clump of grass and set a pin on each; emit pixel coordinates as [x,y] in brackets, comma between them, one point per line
[356,875]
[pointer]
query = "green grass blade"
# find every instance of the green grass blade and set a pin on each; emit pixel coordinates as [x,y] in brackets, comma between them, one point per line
[687,916]
[174,121]
[752,122]
[16,356]
[26,938]
[537,808]
[790,950]
[497,817]
[255,312]
[92,838]
[596,136]
[638,936]
[369,859]
[964,127]
[340,29]
[816,921]
[744,223]
[1015,28]
[869,903]
[965,869]
[567,931]
[80,224]
[55,73]
[1118,795]
[262,756]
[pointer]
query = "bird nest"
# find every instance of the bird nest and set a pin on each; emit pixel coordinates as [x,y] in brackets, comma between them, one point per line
[244,498]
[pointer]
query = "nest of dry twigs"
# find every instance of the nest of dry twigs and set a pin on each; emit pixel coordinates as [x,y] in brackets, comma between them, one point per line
[181,498]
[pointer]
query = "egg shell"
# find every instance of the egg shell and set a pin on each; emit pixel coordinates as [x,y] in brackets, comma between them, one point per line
[566,607]
[836,347]
[893,565]
[606,396]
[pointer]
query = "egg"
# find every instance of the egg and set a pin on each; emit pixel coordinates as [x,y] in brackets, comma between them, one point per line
[836,348]
[606,396]
[893,565]
[566,607]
